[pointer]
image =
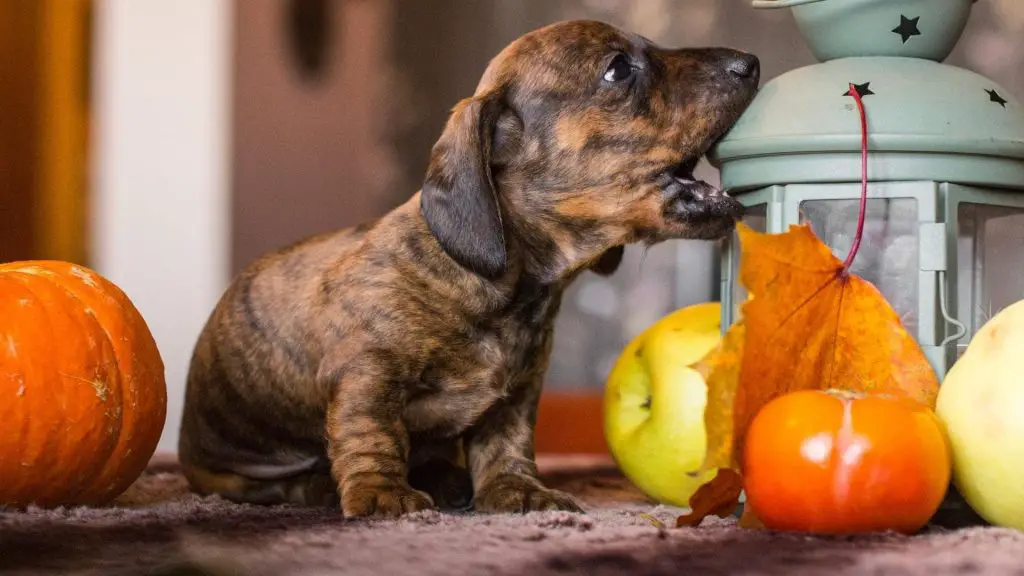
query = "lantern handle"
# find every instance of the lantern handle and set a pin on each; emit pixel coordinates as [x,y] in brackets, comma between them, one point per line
[961,329]
[780,3]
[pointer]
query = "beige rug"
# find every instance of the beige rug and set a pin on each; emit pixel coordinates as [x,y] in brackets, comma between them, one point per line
[159,528]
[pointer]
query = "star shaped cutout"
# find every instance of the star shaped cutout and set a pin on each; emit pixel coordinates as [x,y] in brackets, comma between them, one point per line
[862,89]
[907,28]
[995,97]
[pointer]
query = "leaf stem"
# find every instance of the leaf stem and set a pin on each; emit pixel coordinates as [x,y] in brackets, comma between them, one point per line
[863,176]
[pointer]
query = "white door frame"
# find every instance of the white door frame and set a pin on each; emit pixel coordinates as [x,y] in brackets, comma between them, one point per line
[160,194]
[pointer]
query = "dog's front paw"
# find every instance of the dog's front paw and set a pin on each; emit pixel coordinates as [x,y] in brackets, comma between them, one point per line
[520,494]
[382,498]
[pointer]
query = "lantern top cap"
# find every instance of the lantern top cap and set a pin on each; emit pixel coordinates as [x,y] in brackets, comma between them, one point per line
[928,29]
[912,105]
[926,120]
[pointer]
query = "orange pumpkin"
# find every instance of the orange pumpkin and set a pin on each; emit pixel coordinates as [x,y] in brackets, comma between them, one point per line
[82,385]
[838,463]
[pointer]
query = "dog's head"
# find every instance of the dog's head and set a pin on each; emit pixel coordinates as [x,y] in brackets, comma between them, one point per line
[582,138]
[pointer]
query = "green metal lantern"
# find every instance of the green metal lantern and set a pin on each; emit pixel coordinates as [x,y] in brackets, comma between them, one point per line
[944,234]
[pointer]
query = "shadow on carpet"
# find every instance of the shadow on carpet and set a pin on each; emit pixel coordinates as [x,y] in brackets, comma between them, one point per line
[158,528]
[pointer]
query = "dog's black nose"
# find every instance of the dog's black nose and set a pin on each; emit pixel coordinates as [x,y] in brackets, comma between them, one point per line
[746,67]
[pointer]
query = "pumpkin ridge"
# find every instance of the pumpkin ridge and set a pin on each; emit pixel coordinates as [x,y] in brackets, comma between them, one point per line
[55,440]
[94,486]
[60,396]
[27,430]
[114,440]
[135,429]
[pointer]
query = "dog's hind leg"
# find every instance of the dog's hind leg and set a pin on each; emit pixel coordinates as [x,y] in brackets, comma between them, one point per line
[305,488]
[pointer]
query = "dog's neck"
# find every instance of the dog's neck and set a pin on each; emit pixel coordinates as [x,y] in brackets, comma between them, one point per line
[540,260]
[529,277]
[551,256]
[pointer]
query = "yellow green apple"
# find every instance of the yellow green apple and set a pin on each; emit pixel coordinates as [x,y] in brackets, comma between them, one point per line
[981,404]
[654,404]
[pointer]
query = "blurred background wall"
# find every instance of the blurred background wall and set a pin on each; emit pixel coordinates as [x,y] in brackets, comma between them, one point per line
[226,128]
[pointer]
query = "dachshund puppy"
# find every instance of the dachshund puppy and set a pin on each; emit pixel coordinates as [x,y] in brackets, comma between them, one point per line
[396,366]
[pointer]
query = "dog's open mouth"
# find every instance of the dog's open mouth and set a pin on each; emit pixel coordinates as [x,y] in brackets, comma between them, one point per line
[683,172]
[679,180]
[695,202]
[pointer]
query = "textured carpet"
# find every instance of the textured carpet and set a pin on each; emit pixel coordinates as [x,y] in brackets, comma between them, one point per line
[159,528]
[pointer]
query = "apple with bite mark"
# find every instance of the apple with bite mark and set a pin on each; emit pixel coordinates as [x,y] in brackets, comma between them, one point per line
[654,404]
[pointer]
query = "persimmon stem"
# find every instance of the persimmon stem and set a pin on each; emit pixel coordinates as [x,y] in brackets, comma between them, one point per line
[863,178]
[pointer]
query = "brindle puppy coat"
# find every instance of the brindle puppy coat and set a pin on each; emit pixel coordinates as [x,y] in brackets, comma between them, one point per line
[398,364]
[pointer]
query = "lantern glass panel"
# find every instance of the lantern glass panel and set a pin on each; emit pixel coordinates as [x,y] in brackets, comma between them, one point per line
[990,242]
[757,218]
[888,255]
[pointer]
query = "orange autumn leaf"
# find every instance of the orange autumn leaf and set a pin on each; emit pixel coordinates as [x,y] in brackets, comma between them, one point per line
[718,497]
[812,325]
[721,370]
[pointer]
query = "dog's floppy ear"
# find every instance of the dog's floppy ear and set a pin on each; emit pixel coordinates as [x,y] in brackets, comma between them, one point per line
[608,262]
[459,200]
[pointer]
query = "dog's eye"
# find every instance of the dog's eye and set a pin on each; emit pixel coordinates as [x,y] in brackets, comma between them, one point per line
[620,69]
